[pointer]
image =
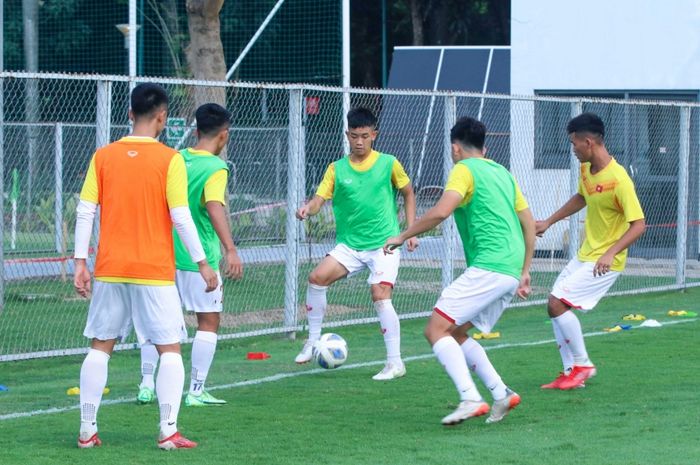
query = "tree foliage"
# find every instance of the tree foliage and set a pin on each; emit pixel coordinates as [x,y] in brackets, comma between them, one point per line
[421,22]
[80,35]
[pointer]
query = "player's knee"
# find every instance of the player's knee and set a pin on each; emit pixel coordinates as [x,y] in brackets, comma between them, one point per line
[432,333]
[460,335]
[208,321]
[555,307]
[380,292]
[318,279]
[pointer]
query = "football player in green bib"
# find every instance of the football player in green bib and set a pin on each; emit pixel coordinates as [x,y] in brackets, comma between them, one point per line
[207,176]
[498,234]
[362,186]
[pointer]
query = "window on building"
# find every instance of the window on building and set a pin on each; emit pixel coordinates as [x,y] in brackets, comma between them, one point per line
[552,149]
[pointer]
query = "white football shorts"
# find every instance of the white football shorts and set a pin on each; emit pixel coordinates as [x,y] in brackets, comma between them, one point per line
[155,312]
[192,289]
[383,268]
[578,288]
[477,296]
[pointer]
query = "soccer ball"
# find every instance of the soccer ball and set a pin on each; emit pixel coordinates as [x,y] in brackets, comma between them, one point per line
[330,351]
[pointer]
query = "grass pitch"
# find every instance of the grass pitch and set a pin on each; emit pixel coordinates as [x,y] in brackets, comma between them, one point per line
[641,408]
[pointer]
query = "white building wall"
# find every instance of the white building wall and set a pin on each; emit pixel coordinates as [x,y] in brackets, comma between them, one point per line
[593,45]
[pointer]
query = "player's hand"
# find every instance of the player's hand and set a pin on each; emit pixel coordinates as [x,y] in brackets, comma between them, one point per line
[303,212]
[391,244]
[603,264]
[524,288]
[412,244]
[209,275]
[233,266]
[540,227]
[81,278]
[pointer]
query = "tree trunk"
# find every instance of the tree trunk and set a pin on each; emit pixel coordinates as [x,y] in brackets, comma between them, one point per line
[205,53]
[440,23]
[417,22]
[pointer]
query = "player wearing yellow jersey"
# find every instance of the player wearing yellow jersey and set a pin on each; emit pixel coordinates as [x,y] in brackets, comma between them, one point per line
[135,265]
[363,188]
[614,221]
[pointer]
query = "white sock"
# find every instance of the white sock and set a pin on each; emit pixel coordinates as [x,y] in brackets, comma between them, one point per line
[203,349]
[570,329]
[391,329]
[149,362]
[93,379]
[316,306]
[479,363]
[171,378]
[567,358]
[449,353]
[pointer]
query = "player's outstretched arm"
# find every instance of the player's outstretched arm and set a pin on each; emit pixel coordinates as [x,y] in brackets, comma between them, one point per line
[527,223]
[233,267]
[409,204]
[574,204]
[634,232]
[449,201]
[310,208]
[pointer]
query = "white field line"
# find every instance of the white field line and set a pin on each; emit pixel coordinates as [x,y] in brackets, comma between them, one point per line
[281,376]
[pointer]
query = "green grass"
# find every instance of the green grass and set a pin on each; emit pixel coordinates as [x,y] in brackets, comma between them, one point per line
[641,408]
[44,314]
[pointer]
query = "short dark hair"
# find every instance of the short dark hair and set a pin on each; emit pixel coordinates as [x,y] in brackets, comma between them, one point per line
[148,98]
[586,122]
[468,132]
[361,117]
[212,118]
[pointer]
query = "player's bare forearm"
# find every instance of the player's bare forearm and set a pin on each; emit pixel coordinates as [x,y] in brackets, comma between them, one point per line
[634,232]
[315,204]
[575,204]
[311,208]
[527,223]
[232,265]
[219,220]
[442,210]
[409,203]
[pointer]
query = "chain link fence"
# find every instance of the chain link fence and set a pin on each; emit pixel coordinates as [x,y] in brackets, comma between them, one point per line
[301,40]
[282,139]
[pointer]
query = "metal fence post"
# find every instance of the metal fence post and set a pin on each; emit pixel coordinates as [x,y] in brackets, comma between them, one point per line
[103,129]
[58,187]
[104,110]
[2,192]
[294,166]
[574,169]
[682,214]
[449,228]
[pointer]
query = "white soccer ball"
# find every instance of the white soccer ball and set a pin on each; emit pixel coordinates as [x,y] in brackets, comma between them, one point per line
[330,351]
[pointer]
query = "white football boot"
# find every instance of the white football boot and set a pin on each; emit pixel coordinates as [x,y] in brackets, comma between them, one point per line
[390,371]
[306,352]
[466,409]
